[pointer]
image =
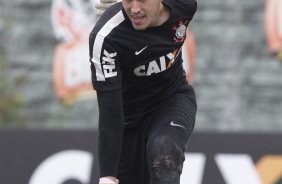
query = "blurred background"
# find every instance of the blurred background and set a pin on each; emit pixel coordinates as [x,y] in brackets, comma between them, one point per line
[237,81]
[233,60]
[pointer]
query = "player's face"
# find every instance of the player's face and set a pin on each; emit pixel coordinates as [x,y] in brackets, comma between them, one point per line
[143,13]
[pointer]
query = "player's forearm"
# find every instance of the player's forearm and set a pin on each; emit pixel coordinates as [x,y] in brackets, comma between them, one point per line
[111,125]
[109,150]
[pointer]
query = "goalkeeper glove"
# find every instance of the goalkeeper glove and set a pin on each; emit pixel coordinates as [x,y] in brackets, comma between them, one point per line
[102,5]
[106,180]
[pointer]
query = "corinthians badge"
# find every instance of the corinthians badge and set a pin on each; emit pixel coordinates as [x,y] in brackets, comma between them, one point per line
[180,31]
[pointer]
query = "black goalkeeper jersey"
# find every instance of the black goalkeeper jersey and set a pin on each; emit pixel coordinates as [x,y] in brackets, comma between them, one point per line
[134,71]
[146,65]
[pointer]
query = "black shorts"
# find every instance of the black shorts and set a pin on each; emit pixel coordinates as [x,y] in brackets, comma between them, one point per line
[174,119]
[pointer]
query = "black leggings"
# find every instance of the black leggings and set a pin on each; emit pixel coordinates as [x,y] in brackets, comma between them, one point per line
[153,150]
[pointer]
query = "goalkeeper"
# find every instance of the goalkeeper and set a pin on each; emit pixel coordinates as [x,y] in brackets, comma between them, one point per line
[147,108]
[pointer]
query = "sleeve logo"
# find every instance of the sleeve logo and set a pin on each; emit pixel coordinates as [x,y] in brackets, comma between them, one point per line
[108,63]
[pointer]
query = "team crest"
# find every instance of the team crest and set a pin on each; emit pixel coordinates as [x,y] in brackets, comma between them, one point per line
[180,31]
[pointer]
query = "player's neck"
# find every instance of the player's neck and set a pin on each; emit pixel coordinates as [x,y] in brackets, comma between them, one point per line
[163,15]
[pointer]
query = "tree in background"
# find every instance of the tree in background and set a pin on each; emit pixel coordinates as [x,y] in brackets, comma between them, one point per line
[10,101]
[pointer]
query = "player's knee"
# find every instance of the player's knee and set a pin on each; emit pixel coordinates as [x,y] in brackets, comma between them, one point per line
[161,175]
[162,152]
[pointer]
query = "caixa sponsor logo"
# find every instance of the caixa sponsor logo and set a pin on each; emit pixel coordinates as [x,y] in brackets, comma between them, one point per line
[76,165]
[234,168]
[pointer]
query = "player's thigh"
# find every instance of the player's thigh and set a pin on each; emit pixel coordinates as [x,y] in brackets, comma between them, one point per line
[170,128]
[175,116]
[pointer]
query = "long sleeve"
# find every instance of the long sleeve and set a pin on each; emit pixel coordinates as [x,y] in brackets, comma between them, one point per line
[106,79]
[111,126]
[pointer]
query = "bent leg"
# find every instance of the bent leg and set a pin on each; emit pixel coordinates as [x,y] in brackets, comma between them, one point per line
[165,159]
[167,137]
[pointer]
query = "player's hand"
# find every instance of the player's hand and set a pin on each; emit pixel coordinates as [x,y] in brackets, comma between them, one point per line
[102,5]
[108,180]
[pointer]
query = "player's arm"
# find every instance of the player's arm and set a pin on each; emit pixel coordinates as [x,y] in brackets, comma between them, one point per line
[106,79]
[111,125]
